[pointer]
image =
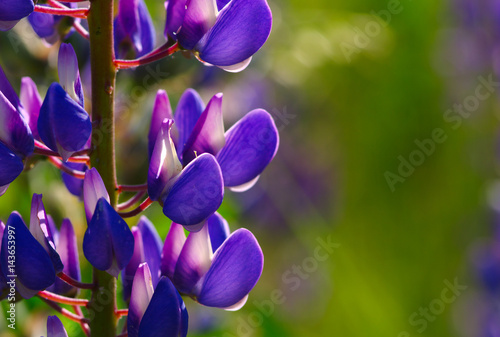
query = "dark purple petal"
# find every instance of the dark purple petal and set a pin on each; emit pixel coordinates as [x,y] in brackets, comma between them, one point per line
[74,185]
[128,15]
[164,164]
[161,110]
[251,144]
[93,190]
[208,133]
[11,165]
[133,28]
[14,131]
[189,109]
[199,18]
[236,268]
[221,4]
[218,229]
[130,270]
[41,231]
[176,10]
[147,31]
[31,102]
[108,243]
[194,261]
[55,328]
[172,249]
[33,266]
[241,29]
[43,24]
[15,10]
[7,89]
[142,292]
[164,315]
[197,193]
[63,125]
[69,75]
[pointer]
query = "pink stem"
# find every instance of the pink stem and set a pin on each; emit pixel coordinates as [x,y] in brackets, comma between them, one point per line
[72,282]
[81,30]
[121,312]
[73,12]
[62,299]
[142,207]
[132,201]
[85,326]
[132,188]
[60,165]
[155,55]
[65,312]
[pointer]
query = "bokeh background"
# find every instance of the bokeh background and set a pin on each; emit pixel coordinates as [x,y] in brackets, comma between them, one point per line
[354,87]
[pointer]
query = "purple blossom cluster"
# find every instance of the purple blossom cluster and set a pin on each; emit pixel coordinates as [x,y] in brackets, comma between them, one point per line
[192,160]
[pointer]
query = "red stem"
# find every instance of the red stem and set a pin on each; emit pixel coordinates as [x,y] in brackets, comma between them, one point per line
[142,207]
[81,30]
[73,12]
[60,165]
[132,201]
[85,326]
[121,312]
[42,149]
[72,282]
[153,56]
[132,188]
[66,313]
[62,299]
[123,335]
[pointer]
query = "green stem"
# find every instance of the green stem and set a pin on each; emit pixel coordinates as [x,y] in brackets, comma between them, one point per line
[100,19]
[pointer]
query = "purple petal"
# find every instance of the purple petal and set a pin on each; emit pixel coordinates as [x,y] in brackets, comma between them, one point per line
[74,185]
[189,109]
[128,15]
[108,243]
[69,75]
[199,18]
[208,133]
[93,190]
[40,229]
[134,26]
[63,125]
[176,10]
[197,193]
[172,249]
[32,102]
[164,164]
[142,292]
[11,166]
[251,144]
[15,10]
[241,29]
[161,110]
[221,4]
[148,34]
[236,268]
[164,315]
[194,261]
[3,189]
[43,24]
[55,328]
[7,89]
[218,230]
[33,266]
[130,270]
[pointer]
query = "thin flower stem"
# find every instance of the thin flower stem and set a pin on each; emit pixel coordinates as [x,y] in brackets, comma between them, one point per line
[62,299]
[72,282]
[60,165]
[121,312]
[65,312]
[132,188]
[81,30]
[49,153]
[41,148]
[84,325]
[131,202]
[73,12]
[123,335]
[155,55]
[142,207]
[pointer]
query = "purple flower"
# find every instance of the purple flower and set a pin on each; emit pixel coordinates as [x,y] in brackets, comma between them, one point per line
[189,195]
[93,190]
[69,74]
[213,267]
[74,185]
[147,248]
[52,27]
[221,33]
[108,243]
[55,328]
[13,11]
[155,311]
[134,30]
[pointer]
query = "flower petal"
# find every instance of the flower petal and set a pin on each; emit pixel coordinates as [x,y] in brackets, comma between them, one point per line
[236,268]
[74,185]
[93,190]
[199,18]
[15,10]
[11,166]
[63,125]
[176,10]
[32,102]
[55,328]
[7,89]
[164,316]
[33,266]
[251,144]
[208,133]
[189,109]
[218,230]
[69,75]
[108,243]
[172,249]
[161,110]
[194,261]
[197,193]
[43,24]
[241,29]
[147,31]
[142,292]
